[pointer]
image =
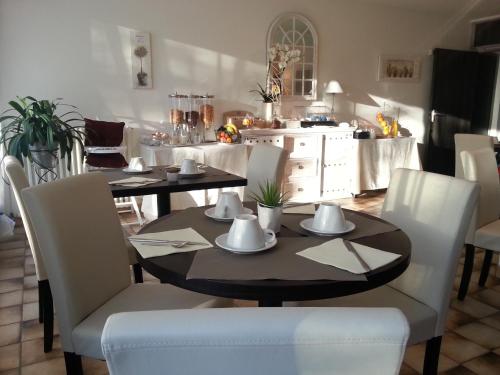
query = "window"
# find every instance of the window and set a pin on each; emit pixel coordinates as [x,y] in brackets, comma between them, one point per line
[296,32]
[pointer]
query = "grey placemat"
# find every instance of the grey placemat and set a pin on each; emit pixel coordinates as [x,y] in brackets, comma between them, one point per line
[279,263]
[365,226]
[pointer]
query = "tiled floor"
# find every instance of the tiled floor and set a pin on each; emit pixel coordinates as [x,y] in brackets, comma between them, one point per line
[471,344]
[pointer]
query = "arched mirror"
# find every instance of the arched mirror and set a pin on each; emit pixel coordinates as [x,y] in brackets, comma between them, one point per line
[295,33]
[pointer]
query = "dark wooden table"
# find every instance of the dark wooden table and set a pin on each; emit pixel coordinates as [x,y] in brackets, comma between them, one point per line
[174,268]
[212,179]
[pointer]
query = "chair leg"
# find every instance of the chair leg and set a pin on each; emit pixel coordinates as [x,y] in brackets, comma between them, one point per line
[431,360]
[40,303]
[137,211]
[138,278]
[467,272]
[485,270]
[48,316]
[73,364]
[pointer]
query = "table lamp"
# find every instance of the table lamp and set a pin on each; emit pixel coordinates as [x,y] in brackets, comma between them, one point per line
[333,87]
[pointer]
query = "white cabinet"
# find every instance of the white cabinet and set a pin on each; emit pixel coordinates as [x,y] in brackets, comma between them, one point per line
[337,165]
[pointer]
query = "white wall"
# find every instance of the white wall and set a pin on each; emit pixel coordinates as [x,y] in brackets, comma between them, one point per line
[80,50]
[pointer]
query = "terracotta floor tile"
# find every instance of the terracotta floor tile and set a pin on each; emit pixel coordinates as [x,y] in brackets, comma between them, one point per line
[460,349]
[30,311]
[405,370]
[94,367]
[488,364]
[11,253]
[15,371]
[33,329]
[10,315]
[492,321]
[489,296]
[11,273]
[12,262]
[30,282]
[11,285]
[9,357]
[51,367]
[414,357]
[29,269]
[32,351]
[457,318]
[481,334]
[10,334]
[17,243]
[473,307]
[460,370]
[11,298]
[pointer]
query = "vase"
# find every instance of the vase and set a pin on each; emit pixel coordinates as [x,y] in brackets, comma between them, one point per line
[270,217]
[267,111]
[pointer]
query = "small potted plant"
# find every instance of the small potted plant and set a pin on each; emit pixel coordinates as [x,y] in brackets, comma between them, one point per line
[32,128]
[270,205]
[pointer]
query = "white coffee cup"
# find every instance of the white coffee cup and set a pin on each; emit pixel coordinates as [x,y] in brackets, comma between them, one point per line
[228,205]
[137,164]
[246,233]
[189,166]
[329,218]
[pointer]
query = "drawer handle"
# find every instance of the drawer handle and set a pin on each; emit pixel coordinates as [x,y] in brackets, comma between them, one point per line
[302,144]
[300,189]
[301,166]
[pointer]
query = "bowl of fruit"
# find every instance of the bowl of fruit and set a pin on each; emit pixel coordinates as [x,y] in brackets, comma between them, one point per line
[228,133]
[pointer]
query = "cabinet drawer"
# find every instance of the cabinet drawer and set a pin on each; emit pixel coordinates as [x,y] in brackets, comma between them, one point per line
[274,140]
[303,146]
[302,189]
[301,168]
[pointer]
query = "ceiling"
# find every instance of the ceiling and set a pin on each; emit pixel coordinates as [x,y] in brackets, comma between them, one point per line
[444,7]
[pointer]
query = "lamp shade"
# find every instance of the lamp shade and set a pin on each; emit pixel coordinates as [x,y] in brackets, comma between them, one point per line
[334,87]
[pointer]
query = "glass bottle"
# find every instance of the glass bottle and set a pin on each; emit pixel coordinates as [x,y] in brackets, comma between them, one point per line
[207,113]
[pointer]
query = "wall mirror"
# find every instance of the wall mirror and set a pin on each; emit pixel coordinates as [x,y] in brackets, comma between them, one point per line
[295,32]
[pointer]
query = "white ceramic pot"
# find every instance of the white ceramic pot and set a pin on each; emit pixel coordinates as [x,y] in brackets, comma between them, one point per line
[267,111]
[270,217]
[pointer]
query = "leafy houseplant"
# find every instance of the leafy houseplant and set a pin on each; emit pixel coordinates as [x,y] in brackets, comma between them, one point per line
[32,128]
[270,205]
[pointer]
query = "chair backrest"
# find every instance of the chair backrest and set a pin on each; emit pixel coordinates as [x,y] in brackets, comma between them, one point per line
[82,245]
[266,163]
[480,166]
[469,142]
[18,182]
[434,211]
[250,341]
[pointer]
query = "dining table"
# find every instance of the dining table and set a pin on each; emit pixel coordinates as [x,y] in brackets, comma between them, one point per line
[212,178]
[279,274]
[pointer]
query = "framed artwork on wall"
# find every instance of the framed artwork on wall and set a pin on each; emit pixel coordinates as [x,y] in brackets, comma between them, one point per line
[141,60]
[399,68]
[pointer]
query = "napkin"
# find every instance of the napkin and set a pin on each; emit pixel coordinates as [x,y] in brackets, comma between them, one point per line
[186,234]
[307,209]
[334,253]
[135,181]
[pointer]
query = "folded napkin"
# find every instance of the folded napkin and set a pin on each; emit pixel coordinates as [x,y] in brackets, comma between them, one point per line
[186,234]
[307,209]
[334,253]
[135,181]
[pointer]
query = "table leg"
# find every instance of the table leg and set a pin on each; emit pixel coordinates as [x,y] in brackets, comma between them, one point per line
[270,303]
[163,204]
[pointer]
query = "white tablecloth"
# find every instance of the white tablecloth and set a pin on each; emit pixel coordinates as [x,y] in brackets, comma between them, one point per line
[375,159]
[232,158]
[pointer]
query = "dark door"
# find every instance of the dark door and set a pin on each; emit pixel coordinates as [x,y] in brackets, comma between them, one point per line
[463,85]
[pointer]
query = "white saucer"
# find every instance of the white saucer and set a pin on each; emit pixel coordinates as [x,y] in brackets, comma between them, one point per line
[221,241]
[307,225]
[191,175]
[211,214]
[135,171]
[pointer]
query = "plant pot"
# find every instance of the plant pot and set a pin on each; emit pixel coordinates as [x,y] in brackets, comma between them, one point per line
[44,157]
[270,217]
[142,78]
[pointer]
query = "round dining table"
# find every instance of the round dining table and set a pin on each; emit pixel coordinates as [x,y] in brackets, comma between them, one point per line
[271,292]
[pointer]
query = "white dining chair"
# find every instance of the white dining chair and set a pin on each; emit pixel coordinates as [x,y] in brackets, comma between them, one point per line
[251,341]
[469,142]
[82,245]
[266,163]
[434,211]
[480,166]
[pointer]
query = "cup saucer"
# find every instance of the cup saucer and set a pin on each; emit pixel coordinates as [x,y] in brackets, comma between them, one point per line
[191,175]
[307,224]
[210,212]
[221,241]
[136,171]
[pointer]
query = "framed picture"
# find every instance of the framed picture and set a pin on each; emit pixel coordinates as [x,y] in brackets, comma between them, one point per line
[399,68]
[141,60]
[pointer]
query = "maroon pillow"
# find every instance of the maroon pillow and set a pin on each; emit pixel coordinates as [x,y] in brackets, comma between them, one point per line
[106,160]
[103,133]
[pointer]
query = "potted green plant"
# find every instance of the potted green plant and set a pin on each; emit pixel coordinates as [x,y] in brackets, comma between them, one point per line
[270,205]
[32,128]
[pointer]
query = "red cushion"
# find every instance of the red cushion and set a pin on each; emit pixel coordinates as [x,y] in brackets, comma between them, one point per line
[103,133]
[106,160]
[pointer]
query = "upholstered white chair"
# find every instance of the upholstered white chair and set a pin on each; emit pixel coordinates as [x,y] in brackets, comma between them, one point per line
[434,211]
[251,341]
[480,166]
[266,163]
[82,245]
[469,142]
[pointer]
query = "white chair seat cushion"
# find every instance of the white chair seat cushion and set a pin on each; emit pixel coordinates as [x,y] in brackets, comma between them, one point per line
[422,319]
[86,336]
[488,236]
